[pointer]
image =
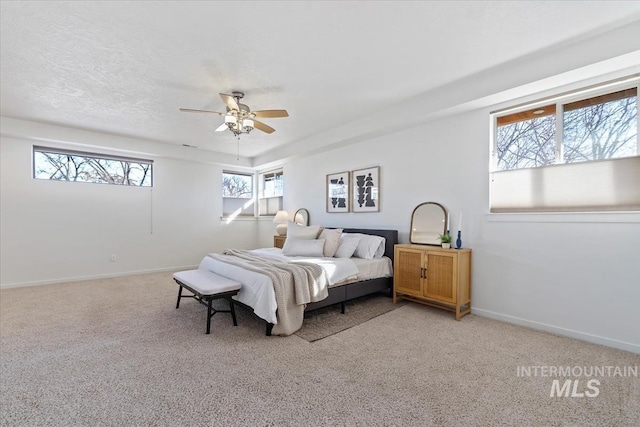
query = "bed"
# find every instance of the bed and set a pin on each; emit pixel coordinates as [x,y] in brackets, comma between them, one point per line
[258,294]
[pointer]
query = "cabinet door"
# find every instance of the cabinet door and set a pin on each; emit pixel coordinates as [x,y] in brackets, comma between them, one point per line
[407,274]
[441,276]
[278,241]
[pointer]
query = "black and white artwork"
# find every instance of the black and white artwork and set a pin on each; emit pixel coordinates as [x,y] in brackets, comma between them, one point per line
[366,189]
[338,192]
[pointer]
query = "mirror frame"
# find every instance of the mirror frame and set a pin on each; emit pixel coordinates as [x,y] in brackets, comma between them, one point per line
[302,211]
[444,229]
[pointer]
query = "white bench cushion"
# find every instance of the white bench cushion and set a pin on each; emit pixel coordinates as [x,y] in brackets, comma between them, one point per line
[205,282]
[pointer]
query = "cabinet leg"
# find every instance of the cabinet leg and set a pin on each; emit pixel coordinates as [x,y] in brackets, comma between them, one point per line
[457,312]
[394,297]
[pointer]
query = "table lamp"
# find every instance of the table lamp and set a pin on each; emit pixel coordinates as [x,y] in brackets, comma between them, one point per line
[281,218]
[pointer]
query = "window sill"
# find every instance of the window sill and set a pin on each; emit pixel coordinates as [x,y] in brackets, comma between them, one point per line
[228,219]
[247,218]
[566,217]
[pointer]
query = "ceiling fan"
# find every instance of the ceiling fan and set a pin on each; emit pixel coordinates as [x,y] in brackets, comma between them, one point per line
[239,118]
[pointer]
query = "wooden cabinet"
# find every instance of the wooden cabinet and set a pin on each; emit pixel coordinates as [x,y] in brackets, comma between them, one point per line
[433,276]
[278,241]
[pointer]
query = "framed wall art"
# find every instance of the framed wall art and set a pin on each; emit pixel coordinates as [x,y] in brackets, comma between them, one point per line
[366,189]
[338,185]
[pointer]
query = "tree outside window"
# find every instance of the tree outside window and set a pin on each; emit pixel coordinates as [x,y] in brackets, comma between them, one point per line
[237,194]
[63,165]
[598,128]
[579,155]
[238,186]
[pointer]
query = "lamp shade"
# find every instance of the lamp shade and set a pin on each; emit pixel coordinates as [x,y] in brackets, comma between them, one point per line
[231,121]
[247,124]
[281,218]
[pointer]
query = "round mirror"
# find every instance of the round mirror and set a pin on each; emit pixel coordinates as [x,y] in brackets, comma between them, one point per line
[428,222]
[301,217]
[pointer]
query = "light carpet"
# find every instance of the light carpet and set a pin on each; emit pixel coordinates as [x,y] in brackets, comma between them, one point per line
[116,352]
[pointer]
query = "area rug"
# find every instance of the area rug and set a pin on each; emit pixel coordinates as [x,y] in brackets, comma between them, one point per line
[328,321]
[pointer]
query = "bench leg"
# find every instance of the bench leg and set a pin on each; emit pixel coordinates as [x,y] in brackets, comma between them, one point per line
[233,311]
[179,296]
[209,309]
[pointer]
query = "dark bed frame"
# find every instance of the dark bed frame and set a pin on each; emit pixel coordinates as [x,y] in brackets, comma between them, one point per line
[341,294]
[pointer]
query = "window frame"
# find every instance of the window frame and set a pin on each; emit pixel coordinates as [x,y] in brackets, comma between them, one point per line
[246,211]
[92,155]
[559,101]
[261,188]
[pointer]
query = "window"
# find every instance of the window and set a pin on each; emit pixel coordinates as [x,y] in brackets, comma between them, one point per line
[237,194]
[271,192]
[68,165]
[527,139]
[578,152]
[603,127]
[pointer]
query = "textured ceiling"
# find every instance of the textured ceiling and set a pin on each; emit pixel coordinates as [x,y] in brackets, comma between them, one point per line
[126,67]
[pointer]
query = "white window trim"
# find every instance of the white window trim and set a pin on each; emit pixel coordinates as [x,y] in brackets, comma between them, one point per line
[228,219]
[94,155]
[594,90]
[258,186]
[630,217]
[560,100]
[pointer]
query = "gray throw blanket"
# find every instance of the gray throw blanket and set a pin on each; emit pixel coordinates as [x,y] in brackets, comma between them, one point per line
[295,285]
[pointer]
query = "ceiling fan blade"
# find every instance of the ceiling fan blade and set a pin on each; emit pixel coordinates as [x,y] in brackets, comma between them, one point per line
[264,128]
[271,113]
[230,101]
[222,127]
[191,110]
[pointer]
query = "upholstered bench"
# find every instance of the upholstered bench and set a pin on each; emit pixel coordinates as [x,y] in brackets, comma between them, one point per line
[205,287]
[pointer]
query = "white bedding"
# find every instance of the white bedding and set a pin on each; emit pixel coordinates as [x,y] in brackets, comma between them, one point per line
[337,269]
[257,289]
[373,268]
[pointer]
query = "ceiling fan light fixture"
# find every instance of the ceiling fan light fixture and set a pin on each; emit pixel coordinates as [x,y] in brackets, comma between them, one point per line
[247,125]
[231,121]
[239,118]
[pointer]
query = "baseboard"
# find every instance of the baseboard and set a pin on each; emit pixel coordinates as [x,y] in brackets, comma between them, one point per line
[100,276]
[634,348]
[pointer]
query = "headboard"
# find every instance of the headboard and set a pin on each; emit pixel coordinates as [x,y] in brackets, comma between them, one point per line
[391,237]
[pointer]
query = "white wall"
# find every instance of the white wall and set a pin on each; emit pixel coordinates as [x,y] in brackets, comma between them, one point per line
[56,231]
[555,273]
[560,273]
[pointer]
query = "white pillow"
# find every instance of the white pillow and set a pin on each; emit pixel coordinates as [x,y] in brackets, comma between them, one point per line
[347,247]
[369,246]
[332,240]
[303,247]
[298,231]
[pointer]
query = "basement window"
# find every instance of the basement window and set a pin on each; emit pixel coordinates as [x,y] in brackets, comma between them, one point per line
[578,152]
[69,165]
[271,192]
[237,194]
